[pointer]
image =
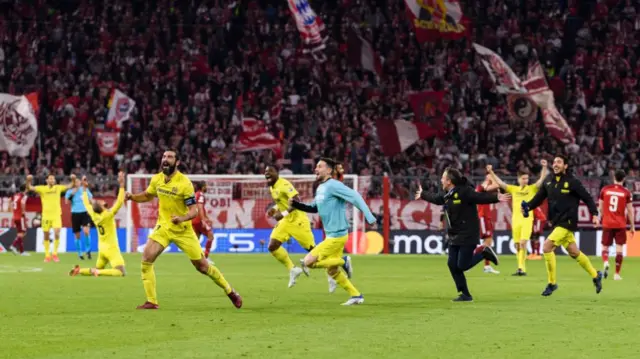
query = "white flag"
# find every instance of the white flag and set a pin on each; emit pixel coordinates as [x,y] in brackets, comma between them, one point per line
[120,108]
[18,125]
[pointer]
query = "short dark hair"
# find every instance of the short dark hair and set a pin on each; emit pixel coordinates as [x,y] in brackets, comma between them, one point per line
[619,175]
[174,151]
[275,167]
[198,185]
[564,158]
[331,163]
[455,176]
[522,173]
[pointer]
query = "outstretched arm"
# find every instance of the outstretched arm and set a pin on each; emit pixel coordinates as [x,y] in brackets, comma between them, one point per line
[543,173]
[71,184]
[468,195]
[28,185]
[309,208]
[495,178]
[537,200]
[435,198]
[353,197]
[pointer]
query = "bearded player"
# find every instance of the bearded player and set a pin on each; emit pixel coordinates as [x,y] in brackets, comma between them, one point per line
[292,223]
[108,248]
[614,199]
[486,222]
[51,211]
[176,208]
[202,223]
[521,227]
[19,201]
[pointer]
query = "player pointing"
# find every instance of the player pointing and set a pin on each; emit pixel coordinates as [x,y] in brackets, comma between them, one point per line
[614,199]
[176,208]
[51,211]
[521,227]
[104,220]
[330,202]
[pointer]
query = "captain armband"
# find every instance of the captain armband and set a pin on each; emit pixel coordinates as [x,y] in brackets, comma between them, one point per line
[190,201]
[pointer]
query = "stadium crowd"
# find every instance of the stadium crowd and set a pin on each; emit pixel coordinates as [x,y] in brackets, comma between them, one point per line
[185,63]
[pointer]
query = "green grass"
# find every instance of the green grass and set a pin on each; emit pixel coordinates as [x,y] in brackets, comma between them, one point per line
[407,313]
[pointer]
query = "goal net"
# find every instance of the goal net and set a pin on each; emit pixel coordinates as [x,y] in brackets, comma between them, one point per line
[237,206]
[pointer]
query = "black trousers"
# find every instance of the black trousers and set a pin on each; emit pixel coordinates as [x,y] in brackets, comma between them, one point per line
[461,259]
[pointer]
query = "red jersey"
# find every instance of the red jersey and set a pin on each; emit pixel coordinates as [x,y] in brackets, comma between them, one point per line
[484,210]
[18,202]
[199,200]
[539,214]
[614,199]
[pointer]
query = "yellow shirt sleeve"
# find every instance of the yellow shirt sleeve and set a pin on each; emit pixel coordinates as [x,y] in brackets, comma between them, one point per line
[188,193]
[534,189]
[511,188]
[61,188]
[287,188]
[151,189]
[38,189]
[116,206]
[87,204]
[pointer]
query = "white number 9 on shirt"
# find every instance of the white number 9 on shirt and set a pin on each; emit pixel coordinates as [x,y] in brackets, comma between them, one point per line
[613,203]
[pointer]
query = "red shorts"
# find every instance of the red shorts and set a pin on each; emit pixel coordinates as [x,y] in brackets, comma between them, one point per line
[18,224]
[201,228]
[538,227]
[486,228]
[611,234]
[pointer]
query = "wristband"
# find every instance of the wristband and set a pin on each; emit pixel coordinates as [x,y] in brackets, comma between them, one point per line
[284,213]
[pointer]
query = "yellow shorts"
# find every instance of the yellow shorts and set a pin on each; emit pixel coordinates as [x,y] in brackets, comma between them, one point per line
[522,230]
[112,257]
[330,248]
[562,237]
[186,240]
[300,230]
[54,222]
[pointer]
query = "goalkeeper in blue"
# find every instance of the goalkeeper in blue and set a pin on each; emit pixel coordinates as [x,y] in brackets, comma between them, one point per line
[330,203]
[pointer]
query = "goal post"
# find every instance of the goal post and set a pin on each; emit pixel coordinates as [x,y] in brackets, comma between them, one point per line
[236,203]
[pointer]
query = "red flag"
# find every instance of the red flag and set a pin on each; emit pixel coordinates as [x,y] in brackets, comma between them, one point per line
[437,19]
[255,137]
[396,136]
[430,105]
[107,142]
[361,54]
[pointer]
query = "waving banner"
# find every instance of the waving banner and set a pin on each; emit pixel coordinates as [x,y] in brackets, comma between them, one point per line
[310,26]
[18,123]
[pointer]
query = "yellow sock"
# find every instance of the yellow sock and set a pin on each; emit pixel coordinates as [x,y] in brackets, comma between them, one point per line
[329,262]
[586,264]
[522,257]
[112,272]
[550,261]
[345,283]
[214,273]
[56,244]
[149,282]
[85,271]
[47,246]
[282,256]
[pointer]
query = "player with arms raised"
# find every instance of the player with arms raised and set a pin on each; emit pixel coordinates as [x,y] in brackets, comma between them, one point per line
[521,227]
[202,224]
[291,223]
[486,222]
[19,201]
[51,211]
[176,208]
[614,199]
[108,248]
[330,203]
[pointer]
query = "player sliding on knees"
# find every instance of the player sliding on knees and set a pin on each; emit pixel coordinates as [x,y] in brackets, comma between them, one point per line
[614,199]
[330,203]
[564,193]
[521,227]
[291,223]
[176,208]
[108,248]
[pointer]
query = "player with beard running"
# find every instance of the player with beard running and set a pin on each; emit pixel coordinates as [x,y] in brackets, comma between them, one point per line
[176,208]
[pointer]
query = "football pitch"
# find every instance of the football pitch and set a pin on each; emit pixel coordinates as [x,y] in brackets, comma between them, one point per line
[407,313]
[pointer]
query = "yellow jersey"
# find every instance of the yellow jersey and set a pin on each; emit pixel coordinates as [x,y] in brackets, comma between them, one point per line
[519,194]
[105,222]
[174,199]
[50,198]
[281,191]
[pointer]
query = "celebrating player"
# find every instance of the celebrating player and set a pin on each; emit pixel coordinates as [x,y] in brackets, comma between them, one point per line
[330,202]
[539,222]
[176,208]
[486,222]
[108,248]
[614,199]
[19,200]
[51,211]
[202,224]
[80,219]
[521,227]
[564,193]
[290,223]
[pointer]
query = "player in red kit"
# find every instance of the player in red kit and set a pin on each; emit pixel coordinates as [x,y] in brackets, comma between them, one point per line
[614,199]
[486,222]
[540,220]
[18,201]
[202,224]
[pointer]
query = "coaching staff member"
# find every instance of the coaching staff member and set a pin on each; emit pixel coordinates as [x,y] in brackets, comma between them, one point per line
[459,202]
